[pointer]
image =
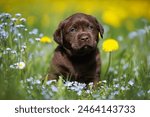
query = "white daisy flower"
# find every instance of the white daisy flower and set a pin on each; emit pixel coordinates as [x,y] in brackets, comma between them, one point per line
[20,65]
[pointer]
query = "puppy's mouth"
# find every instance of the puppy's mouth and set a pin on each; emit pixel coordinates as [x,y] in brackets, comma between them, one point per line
[85,49]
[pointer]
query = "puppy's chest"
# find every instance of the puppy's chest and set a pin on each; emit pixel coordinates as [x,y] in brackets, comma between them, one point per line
[81,68]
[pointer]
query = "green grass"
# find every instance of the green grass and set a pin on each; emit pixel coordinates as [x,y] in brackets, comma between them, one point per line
[127,78]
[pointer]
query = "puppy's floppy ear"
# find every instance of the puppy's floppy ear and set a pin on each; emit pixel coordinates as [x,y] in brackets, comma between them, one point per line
[100,28]
[58,35]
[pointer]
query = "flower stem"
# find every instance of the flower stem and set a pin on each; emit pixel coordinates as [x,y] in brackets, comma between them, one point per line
[108,64]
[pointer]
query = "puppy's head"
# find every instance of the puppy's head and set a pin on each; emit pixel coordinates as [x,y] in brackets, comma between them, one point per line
[78,34]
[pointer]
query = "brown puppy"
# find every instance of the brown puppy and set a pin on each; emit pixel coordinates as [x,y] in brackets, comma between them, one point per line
[77,57]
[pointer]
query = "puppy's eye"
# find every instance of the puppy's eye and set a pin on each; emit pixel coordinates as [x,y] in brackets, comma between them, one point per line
[72,30]
[90,27]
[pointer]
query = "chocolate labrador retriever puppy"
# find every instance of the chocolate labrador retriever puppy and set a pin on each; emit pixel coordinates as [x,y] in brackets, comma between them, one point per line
[77,57]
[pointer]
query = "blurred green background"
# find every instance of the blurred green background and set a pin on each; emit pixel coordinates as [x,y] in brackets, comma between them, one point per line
[46,14]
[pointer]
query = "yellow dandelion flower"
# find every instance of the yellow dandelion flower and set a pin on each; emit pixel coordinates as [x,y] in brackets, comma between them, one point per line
[45,39]
[110,45]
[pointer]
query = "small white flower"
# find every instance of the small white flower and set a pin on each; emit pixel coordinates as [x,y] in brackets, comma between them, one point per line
[125,66]
[31,40]
[15,39]
[116,92]
[13,19]
[23,48]
[37,39]
[81,86]
[18,15]
[116,85]
[68,83]
[73,88]
[131,82]
[136,71]
[41,35]
[23,20]
[115,80]
[50,81]
[122,88]
[5,24]
[33,32]
[30,79]
[13,52]
[19,35]
[38,82]
[79,92]
[12,66]
[20,65]
[104,81]
[8,49]
[91,84]
[7,15]
[132,35]
[4,34]
[54,88]
[88,91]
[20,26]
[140,93]
[141,31]
[25,29]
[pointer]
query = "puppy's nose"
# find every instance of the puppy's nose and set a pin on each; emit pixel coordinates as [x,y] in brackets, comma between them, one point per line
[84,37]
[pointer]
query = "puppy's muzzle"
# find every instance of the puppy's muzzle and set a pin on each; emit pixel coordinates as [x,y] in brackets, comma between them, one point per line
[84,37]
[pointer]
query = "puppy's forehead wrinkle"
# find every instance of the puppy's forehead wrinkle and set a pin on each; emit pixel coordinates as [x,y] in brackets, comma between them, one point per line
[79,19]
[81,22]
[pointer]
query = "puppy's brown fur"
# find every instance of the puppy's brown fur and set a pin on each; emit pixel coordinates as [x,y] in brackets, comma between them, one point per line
[77,57]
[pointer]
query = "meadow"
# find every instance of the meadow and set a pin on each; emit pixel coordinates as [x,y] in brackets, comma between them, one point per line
[26,49]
